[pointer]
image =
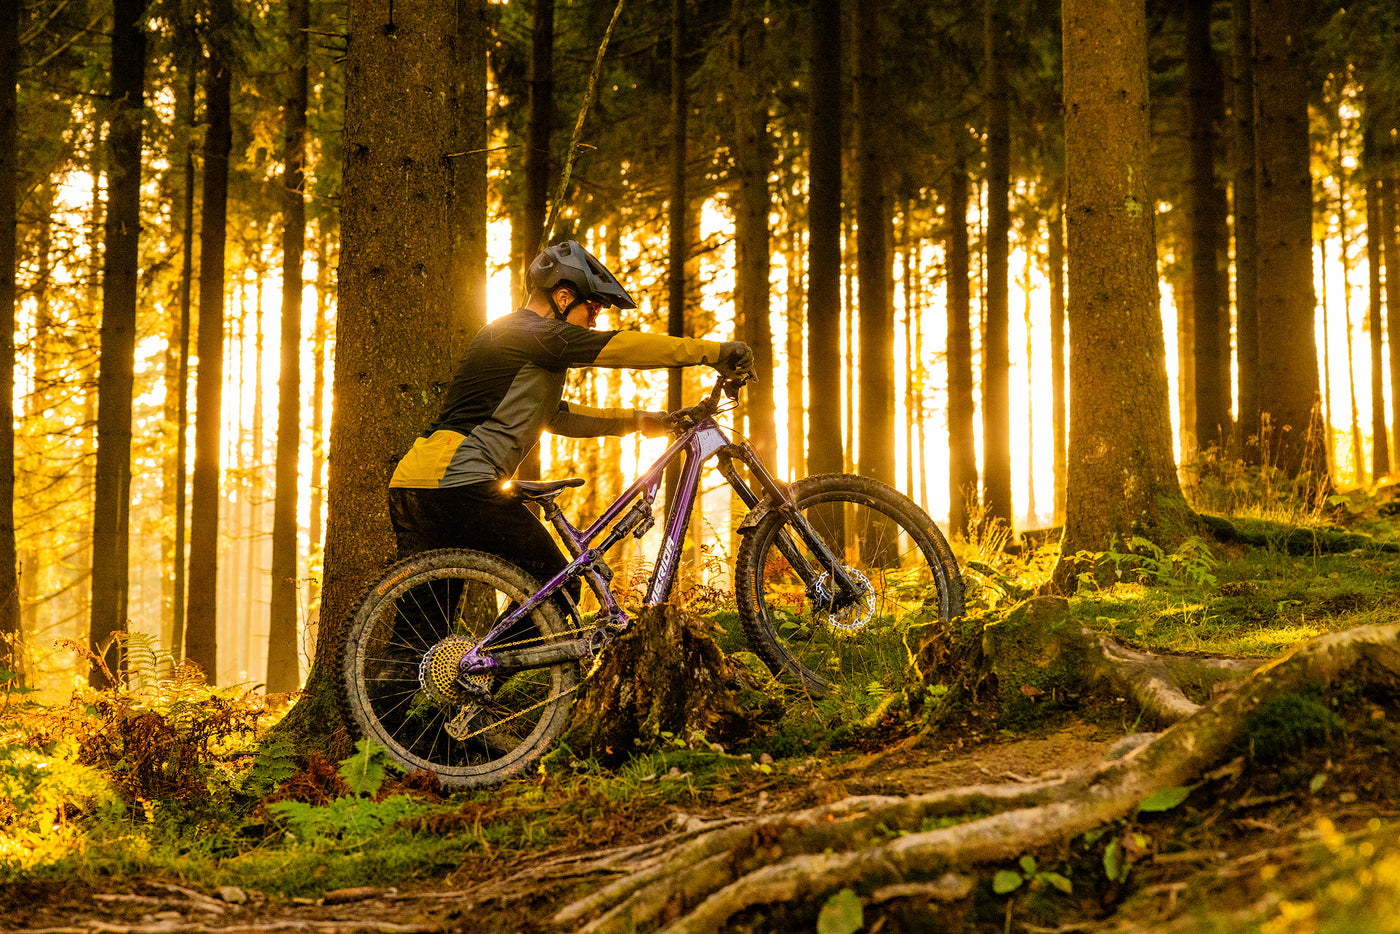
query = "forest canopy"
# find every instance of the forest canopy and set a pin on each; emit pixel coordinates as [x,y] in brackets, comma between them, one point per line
[876,199]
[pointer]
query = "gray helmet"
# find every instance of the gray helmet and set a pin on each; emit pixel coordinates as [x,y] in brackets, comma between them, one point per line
[570,264]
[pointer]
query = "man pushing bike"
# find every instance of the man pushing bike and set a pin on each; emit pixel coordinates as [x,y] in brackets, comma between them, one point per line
[448,490]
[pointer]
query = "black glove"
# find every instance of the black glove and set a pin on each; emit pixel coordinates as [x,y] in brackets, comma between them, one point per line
[650,424]
[735,359]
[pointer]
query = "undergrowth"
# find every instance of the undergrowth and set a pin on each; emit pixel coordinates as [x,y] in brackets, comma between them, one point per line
[165,776]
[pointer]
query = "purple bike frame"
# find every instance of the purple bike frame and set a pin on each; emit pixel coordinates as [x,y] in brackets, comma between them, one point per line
[699,444]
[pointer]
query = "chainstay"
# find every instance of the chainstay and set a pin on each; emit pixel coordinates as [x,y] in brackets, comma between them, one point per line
[536,706]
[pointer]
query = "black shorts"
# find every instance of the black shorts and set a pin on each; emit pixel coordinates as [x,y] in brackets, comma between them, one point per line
[481,516]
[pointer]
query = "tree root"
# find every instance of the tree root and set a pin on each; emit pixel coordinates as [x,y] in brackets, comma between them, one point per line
[1039,635]
[808,855]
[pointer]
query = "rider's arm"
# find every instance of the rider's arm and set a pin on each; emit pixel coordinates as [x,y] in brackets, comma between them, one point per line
[554,344]
[581,421]
[641,350]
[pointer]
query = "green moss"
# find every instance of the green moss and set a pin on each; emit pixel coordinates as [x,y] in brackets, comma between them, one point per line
[1289,725]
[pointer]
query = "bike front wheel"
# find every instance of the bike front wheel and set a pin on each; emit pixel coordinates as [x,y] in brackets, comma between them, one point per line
[399,669]
[903,569]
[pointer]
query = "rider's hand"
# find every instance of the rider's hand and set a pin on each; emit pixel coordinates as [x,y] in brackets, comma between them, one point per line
[650,424]
[735,359]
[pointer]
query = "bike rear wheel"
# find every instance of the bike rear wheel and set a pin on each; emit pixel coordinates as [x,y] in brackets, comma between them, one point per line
[887,544]
[399,669]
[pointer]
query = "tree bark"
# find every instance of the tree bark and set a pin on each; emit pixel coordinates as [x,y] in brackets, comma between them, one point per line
[1288,365]
[996,353]
[396,252]
[876,456]
[201,637]
[825,451]
[11,630]
[1122,477]
[283,672]
[116,374]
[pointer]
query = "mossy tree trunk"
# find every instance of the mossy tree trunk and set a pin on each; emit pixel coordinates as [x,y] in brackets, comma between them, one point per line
[1122,475]
[396,317]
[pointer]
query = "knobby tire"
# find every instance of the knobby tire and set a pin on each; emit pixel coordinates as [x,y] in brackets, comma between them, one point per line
[882,536]
[433,605]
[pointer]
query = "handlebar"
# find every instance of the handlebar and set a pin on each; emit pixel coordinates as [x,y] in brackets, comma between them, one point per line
[683,420]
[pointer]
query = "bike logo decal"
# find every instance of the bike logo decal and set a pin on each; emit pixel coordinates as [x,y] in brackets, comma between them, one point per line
[384,587]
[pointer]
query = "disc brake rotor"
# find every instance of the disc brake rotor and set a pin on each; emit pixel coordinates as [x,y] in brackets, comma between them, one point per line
[438,673]
[855,615]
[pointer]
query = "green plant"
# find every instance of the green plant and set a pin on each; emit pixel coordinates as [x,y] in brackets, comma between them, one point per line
[1145,561]
[1007,881]
[42,792]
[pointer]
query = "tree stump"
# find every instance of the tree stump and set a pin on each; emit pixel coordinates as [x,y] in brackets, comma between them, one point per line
[663,679]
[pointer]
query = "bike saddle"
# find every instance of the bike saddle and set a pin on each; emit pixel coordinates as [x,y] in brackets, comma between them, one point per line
[541,490]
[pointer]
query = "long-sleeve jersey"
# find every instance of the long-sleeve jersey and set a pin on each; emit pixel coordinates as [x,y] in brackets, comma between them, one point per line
[509,388]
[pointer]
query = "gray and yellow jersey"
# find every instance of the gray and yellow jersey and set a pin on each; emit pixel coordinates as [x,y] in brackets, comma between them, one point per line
[509,388]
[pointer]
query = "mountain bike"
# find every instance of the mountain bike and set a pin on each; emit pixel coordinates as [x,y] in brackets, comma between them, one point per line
[461,664]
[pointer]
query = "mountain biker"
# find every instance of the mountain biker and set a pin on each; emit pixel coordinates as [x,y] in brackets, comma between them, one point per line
[448,491]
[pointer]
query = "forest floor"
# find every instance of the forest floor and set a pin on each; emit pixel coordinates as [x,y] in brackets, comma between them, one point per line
[1296,830]
[1259,854]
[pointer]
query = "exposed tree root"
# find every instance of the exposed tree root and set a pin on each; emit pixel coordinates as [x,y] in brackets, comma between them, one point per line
[1039,635]
[665,676]
[1298,541]
[806,856]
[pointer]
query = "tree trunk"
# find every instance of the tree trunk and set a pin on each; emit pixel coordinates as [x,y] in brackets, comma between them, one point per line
[796,381]
[1288,368]
[201,637]
[185,108]
[873,269]
[753,159]
[319,338]
[825,453]
[962,443]
[468,207]
[1358,463]
[116,375]
[537,135]
[538,165]
[1210,299]
[11,630]
[1055,261]
[396,251]
[1245,220]
[1390,256]
[1380,447]
[996,353]
[676,225]
[282,668]
[1122,477]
